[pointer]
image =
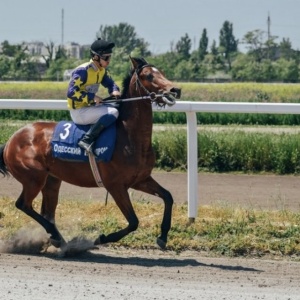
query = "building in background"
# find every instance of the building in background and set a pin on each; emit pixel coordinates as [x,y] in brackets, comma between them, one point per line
[39,49]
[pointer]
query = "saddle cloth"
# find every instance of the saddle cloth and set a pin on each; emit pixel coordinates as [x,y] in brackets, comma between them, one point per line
[67,135]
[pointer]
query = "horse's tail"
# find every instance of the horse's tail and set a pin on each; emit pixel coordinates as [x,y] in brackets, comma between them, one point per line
[3,168]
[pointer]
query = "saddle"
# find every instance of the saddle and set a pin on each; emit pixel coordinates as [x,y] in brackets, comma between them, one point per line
[65,140]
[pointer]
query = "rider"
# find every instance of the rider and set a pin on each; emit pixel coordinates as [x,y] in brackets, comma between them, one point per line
[85,106]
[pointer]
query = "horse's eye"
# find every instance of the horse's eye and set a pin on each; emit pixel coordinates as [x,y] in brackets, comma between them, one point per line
[149,77]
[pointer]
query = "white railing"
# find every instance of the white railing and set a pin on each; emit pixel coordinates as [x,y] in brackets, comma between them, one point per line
[188,107]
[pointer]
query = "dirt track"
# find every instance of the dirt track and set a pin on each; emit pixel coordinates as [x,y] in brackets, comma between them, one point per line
[123,274]
[140,275]
[254,191]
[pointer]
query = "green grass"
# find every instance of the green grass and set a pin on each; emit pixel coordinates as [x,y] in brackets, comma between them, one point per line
[218,230]
[248,92]
[33,90]
[241,92]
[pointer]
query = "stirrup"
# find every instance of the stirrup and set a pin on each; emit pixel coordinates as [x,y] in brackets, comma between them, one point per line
[87,147]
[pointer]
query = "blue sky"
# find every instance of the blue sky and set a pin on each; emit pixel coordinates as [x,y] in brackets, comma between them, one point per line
[159,22]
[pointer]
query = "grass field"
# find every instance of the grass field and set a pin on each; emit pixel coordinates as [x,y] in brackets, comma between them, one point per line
[221,230]
[248,92]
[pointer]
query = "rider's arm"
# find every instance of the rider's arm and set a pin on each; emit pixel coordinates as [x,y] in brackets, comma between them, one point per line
[109,83]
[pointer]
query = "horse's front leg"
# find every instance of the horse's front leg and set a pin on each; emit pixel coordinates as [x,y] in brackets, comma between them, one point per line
[150,186]
[122,199]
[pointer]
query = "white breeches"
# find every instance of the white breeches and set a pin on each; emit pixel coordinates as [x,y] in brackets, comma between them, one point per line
[91,114]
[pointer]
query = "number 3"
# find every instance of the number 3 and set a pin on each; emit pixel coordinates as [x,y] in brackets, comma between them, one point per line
[67,131]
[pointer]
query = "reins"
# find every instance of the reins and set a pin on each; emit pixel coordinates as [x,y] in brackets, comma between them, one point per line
[139,85]
[152,96]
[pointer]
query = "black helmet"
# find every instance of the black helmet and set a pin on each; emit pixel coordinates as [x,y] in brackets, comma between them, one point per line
[100,47]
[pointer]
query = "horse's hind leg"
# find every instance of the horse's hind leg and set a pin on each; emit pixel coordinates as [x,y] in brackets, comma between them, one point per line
[150,186]
[31,188]
[50,193]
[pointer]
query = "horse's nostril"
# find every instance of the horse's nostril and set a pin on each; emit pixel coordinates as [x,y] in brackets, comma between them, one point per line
[177,92]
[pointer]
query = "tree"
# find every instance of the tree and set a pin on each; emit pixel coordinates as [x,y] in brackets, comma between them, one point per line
[124,36]
[214,49]
[50,49]
[286,50]
[228,43]
[215,61]
[18,52]
[8,50]
[58,66]
[261,47]
[271,48]
[254,41]
[4,66]
[61,53]
[165,62]
[183,71]
[120,65]
[19,64]
[183,47]
[287,70]
[203,44]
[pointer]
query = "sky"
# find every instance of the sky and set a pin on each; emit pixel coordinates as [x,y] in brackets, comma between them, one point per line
[158,22]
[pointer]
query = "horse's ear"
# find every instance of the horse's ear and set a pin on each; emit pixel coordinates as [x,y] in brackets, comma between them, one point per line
[137,62]
[134,62]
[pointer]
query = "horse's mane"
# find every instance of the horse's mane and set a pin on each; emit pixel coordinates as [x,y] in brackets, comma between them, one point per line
[125,85]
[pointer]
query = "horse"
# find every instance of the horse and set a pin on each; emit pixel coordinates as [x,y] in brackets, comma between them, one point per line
[27,157]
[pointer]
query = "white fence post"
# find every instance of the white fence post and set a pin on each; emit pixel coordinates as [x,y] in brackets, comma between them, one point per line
[192,165]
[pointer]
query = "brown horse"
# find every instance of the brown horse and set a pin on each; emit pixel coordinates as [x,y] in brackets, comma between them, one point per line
[27,157]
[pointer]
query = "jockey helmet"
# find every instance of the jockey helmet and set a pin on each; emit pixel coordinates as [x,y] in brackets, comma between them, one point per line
[100,47]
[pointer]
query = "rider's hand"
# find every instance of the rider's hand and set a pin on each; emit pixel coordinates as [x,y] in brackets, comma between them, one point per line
[116,94]
[98,100]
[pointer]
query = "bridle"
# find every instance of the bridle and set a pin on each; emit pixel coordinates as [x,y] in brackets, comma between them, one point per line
[168,98]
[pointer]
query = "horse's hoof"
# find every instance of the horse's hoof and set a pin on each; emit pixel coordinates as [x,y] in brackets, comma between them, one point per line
[55,243]
[100,240]
[162,244]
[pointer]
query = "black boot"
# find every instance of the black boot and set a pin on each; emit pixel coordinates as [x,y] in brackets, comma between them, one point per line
[90,137]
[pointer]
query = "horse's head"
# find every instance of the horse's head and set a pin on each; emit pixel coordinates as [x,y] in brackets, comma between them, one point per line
[150,81]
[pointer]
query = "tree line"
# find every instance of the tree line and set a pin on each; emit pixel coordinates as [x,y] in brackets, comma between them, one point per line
[263,60]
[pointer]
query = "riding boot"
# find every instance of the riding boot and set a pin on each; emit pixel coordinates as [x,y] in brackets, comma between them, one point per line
[90,137]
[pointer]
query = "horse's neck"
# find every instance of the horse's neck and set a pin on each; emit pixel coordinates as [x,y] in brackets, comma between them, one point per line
[137,116]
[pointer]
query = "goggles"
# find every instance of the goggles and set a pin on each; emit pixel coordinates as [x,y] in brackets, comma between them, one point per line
[105,57]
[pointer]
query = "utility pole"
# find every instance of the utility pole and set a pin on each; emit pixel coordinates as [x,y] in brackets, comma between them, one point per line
[269,26]
[62,28]
[269,35]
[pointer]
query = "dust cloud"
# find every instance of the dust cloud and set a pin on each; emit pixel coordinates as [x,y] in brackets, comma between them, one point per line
[25,241]
[36,241]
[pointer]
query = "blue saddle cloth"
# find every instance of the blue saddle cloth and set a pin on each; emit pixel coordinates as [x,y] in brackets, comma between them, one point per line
[67,135]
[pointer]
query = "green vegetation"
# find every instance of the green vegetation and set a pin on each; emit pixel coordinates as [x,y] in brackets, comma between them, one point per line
[266,60]
[232,150]
[231,92]
[220,150]
[220,230]
[33,90]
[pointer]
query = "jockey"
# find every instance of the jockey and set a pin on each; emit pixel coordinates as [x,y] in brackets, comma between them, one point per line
[85,106]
